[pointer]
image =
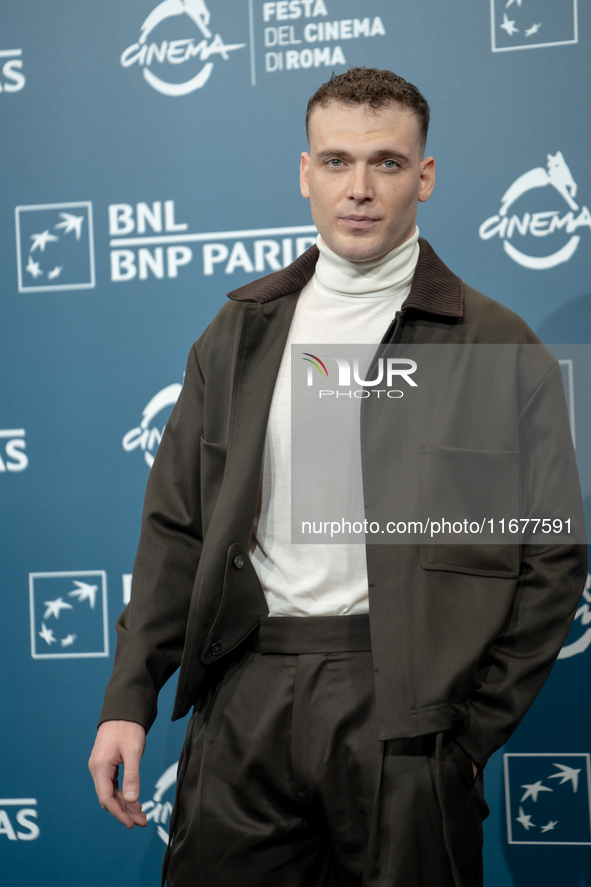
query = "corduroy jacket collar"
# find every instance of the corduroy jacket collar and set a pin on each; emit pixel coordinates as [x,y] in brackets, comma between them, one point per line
[435,289]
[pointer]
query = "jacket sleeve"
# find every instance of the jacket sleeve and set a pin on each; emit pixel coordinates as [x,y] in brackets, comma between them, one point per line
[151,629]
[551,579]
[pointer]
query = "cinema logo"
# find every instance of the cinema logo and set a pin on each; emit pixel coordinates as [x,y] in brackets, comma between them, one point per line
[159,808]
[387,371]
[173,55]
[147,242]
[527,227]
[147,435]
[579,639]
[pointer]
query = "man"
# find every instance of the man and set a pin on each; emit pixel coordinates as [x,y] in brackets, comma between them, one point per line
[322,749]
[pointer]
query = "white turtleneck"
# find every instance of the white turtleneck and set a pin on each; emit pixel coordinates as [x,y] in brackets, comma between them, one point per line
[343,303]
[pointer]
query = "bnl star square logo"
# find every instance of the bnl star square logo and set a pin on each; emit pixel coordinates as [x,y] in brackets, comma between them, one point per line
[54,247]
[544,231]
[530,24]
[548,798]
[69,615]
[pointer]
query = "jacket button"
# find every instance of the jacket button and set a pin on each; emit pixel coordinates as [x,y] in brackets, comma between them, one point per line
[238,561]
[215,649]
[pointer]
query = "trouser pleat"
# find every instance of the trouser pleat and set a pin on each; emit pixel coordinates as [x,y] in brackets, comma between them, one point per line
[283,782]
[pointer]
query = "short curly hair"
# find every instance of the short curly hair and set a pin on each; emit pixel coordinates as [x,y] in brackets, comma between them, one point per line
[374,87]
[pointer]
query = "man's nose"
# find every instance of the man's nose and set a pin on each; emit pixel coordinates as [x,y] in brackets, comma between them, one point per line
[361,187]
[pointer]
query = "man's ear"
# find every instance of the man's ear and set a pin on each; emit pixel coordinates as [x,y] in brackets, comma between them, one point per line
[304,168]
[427,180]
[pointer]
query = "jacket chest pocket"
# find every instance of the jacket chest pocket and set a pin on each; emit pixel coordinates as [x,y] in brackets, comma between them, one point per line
[475,490]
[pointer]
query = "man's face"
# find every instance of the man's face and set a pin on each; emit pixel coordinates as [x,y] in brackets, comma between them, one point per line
[364,177]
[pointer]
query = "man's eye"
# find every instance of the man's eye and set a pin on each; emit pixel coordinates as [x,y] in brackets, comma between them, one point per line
[334,162]
[390,164]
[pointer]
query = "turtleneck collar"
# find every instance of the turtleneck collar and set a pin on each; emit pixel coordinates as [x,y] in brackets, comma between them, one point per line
[380,278]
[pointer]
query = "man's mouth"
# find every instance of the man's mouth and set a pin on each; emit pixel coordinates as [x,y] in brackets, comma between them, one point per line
[359,222]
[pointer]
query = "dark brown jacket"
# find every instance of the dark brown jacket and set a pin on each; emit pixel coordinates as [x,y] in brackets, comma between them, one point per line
[456,637]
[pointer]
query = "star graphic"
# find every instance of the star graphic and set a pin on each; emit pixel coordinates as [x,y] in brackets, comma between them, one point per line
[41,240]
[508,26]
[33,268]
[55,607]
[71,223]
[47,635]
[550,826]
[567,773]
[534,790]
[533,30]
[84,592]
[55,272]
[68,640]
[525,820]
[511,2]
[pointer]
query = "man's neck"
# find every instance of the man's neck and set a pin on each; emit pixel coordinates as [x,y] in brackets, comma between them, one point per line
[383,277]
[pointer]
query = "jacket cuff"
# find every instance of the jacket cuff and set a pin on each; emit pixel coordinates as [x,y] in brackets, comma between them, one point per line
[476,744]
[129,708]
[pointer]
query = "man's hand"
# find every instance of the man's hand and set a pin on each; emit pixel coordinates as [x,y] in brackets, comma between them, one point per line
[119,742]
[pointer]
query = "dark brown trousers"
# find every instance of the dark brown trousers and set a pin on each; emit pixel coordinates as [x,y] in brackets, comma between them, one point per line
[284,783]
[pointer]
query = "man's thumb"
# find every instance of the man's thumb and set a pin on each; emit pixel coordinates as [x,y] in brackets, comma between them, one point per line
[131,782]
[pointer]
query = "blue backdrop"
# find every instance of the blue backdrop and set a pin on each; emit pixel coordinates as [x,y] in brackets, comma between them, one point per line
[149,160]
